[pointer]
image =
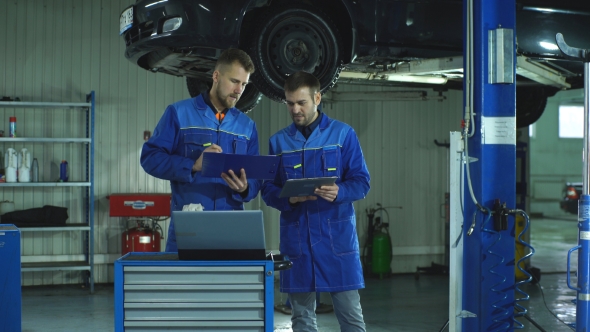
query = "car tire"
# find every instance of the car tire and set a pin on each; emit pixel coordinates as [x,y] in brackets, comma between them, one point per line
[291,38]
[249,99]
[530,104]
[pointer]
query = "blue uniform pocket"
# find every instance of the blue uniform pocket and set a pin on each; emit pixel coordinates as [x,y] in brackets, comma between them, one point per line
[331,161]
[292,166]
[240,145]
[343,236]
[290,240]
[195,143]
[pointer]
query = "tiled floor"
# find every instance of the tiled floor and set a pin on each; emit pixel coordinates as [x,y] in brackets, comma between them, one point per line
[400,303]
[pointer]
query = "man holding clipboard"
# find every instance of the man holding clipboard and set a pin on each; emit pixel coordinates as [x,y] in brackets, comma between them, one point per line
[207,123]
[318,230]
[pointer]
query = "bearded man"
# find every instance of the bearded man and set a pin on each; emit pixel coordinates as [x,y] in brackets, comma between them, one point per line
[207,123]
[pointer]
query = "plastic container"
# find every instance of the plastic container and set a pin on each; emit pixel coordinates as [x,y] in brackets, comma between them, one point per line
[12,127]
[11,165]
[35,171]
[24,166]
[63,171]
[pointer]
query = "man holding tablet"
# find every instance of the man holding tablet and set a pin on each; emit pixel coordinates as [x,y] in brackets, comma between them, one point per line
[318,231]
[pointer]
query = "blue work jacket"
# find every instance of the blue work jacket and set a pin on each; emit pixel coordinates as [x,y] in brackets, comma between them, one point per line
[319,237]
[184,131]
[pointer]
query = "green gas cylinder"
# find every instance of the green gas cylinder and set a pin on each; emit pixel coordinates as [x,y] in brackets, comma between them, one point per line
[381,260]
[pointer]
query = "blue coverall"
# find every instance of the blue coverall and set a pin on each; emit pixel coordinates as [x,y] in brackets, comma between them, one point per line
[319,237]
[184,131]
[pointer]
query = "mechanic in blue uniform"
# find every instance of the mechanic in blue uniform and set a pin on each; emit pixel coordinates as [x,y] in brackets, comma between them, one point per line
[318,232]
[207,123]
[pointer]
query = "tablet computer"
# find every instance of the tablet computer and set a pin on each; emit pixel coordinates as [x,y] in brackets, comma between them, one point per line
[305,187]
[256,167]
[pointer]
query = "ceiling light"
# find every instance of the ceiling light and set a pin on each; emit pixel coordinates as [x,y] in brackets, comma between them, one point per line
[417,79]
[354,74]
[395,77]
[540,73]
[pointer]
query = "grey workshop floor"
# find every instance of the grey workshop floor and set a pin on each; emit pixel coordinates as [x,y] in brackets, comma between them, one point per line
[400,303]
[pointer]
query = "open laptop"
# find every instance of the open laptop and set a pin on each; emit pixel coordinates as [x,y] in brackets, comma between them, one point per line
[220,235]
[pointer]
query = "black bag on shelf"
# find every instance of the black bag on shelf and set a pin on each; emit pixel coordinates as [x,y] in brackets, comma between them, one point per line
[47,215]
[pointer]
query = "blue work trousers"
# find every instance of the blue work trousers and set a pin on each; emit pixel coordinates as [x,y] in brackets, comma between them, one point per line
[347,307]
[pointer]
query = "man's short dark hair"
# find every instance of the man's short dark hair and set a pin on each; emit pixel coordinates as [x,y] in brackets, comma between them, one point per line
[302,79]
[231,55]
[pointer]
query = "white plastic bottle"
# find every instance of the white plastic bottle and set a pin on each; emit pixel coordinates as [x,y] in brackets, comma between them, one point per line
[10,165]
[24,169]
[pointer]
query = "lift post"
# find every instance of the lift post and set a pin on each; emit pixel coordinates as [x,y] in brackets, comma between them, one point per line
[583,272]
[490,162]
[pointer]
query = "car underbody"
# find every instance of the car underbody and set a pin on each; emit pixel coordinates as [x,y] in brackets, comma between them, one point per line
[282,37]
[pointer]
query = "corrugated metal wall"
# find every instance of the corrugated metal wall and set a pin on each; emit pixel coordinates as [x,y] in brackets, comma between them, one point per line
[407,168]
[61,50]
[548,179]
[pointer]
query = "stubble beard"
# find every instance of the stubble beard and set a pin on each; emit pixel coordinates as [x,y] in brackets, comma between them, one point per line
[300,121]
[226,101]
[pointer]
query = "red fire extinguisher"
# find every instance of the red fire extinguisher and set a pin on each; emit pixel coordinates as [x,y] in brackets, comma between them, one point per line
[141,239]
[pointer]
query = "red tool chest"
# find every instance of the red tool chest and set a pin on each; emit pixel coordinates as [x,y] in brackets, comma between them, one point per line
[139,205]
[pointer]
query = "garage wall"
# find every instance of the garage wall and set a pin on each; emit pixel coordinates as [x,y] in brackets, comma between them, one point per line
[548,178]
[61,50]
[58,51]
[407,168]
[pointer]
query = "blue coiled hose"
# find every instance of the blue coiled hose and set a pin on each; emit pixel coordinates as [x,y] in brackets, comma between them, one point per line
[500,313]
[521,311]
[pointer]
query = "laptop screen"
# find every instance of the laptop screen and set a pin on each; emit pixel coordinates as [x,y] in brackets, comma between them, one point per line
[220,235]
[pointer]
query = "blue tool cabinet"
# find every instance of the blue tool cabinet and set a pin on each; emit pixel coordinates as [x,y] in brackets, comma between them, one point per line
[10,283]
[155,291]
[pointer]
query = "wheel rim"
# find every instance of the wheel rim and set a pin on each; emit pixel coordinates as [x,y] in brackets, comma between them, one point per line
[294,44]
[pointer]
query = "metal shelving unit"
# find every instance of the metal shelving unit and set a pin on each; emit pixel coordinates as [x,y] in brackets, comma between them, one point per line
[45,140]
[46,184]
[86,186]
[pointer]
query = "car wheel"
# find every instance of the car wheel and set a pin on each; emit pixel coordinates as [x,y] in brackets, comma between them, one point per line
[292,38]
[530,104]
[250,98]
[196,85]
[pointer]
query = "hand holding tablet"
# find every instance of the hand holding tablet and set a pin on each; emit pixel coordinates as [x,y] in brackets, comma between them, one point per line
[305,186]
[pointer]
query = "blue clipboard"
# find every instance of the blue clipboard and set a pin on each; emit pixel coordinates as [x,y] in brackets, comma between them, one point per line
[256,167]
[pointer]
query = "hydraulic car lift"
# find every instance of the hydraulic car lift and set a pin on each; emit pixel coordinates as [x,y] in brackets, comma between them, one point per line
[483,293]
[482,282]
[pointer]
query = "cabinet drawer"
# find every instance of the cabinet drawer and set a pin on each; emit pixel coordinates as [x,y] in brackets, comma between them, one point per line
[193,275]
[194,293]
[184,326]
[193,311]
